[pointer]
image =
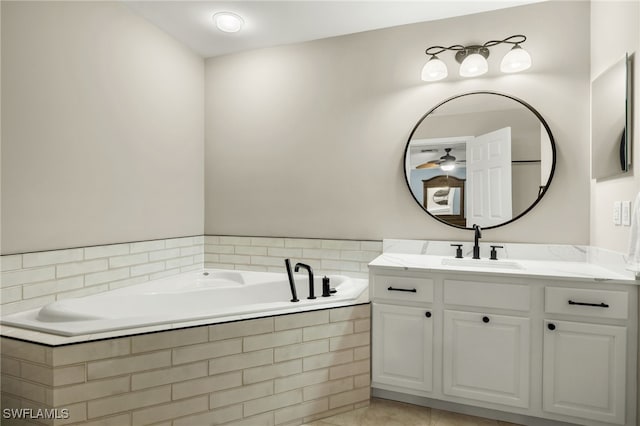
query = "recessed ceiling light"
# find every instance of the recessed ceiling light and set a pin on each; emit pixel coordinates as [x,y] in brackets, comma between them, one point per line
[228,22]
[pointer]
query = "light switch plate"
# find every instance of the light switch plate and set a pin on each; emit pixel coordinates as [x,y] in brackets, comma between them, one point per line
[626,213]
[617,212]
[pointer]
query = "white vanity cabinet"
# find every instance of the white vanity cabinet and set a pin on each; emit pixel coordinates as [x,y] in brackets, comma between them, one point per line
[584,370]
[486,357]
[404,346]
[486,353]
[585,363]
[528,347]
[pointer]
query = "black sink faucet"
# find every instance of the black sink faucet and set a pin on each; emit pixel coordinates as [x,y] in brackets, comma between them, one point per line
[310,271]
[476,246]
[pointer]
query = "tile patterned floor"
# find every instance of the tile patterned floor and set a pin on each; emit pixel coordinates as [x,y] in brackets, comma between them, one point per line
[382,412]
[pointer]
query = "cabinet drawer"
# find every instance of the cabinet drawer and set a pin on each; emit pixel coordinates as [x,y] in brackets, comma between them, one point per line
[487,295]
[403,288]
[584,302]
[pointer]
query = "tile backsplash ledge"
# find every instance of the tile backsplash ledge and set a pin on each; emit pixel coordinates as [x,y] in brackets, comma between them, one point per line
[31,280]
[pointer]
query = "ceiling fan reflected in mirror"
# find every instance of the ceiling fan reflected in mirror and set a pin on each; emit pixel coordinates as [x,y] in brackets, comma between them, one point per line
[447,162]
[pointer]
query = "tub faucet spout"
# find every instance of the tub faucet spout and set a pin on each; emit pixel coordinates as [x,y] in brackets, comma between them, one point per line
[292,283]
[310,271]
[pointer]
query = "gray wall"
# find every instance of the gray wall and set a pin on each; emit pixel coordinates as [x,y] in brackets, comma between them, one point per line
[307,140]
[103,128]
[615,29]
[304,140]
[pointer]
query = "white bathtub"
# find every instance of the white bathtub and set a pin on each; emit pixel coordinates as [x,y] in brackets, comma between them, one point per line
[199,295]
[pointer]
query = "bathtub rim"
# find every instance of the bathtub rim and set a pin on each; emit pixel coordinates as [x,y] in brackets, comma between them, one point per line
[35,335]
[49,340]
[57,340]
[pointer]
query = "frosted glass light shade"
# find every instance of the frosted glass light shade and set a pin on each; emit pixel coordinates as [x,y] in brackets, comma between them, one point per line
[447,167]
[434,70]
[473,65]
[517,59]
[228,22]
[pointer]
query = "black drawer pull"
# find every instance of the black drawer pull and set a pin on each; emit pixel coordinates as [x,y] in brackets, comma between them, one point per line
[427,314]
[485,320]
[597,305]
[409,290]
[551,326]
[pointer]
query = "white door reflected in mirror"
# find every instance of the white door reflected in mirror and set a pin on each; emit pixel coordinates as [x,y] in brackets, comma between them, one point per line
[489,179]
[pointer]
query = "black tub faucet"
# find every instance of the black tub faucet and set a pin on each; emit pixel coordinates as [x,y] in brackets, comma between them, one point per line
[476,246]
[310,271]
[292,283]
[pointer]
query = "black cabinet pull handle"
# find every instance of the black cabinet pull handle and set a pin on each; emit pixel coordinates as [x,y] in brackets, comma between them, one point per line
[409,290]
[551,326]
[597,305]
[427,314]
[485,319]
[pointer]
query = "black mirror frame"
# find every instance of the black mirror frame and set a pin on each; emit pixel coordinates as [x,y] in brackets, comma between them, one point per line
[485,92]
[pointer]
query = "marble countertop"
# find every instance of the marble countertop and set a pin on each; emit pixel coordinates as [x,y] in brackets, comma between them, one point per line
[535,268]
[579,266]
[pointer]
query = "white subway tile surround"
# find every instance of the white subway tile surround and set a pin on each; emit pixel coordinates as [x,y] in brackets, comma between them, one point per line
[341,257]
[247,372]
[34,279]
[286,369]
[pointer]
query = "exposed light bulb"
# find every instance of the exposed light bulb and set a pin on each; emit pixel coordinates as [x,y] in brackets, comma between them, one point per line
[473,65]
[517,59]
[228,22]
[434,70]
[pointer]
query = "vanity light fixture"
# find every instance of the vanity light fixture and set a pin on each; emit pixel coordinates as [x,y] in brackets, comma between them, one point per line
[228,22]
[473,59]
[434,70]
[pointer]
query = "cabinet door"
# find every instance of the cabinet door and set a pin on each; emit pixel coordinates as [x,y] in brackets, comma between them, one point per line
[402,346]
[486,357]
[585,370]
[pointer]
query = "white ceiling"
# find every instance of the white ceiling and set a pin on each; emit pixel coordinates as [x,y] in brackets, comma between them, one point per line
[271,23]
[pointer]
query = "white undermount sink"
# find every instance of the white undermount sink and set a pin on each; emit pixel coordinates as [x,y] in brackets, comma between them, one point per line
[485,264]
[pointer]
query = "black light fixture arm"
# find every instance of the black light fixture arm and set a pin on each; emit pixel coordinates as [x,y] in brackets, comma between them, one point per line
[463,51]
[436,50]
[514,39]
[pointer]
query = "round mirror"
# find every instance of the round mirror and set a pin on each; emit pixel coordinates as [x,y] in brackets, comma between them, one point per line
[480,158]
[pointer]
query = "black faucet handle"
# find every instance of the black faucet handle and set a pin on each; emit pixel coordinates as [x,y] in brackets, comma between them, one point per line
[494,252]
[326,287]
[458,250]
